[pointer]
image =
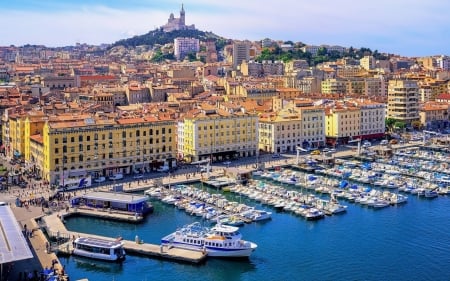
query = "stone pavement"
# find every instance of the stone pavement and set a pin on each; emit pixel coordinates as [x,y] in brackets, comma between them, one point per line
[37,242]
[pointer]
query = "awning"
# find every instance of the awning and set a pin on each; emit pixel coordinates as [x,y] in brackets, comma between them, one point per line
[13,245]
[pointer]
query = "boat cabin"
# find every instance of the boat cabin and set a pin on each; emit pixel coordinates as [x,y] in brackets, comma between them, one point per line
[97,248]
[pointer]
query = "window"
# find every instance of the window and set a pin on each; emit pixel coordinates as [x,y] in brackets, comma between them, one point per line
[80,138]
[72,139]
[56,141]
[56,150]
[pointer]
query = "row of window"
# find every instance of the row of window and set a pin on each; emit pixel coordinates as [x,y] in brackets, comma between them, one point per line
[110,135]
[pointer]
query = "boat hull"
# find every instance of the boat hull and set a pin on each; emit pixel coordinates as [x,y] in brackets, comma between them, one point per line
[97,256]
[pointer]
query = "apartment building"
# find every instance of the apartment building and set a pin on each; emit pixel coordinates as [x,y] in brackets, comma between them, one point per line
[102,146]
[403,101]
[241,52]
[343,123]
[333,86]
[435,115]
[287,129]
[217,134]
[184,46]
[373,115]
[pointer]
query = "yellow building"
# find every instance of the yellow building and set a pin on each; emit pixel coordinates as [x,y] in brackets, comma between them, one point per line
[217,134]
[435,115]
[333,86]
[284,131]
[14,135]
[100,146]
[343,124]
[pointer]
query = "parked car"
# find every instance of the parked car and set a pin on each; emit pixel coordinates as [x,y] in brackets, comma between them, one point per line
[100,179]
[276,155]
[384,142]
[367,143]
[204,169]
[138,176]
[116,177]
[227,162]
[315,152]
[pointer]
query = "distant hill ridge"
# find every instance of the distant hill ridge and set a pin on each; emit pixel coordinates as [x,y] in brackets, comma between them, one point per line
[159,37]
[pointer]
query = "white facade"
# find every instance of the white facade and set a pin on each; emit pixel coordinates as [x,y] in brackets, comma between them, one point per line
[184,46]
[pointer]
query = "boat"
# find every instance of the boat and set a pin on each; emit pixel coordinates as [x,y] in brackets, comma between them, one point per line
[219,241]
[397,198]
[261,215]
[101,249]
[431,193]
[313,214]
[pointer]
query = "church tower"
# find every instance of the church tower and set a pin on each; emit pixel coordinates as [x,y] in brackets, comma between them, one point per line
[182,14]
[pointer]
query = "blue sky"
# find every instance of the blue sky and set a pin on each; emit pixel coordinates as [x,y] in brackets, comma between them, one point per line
[404,27]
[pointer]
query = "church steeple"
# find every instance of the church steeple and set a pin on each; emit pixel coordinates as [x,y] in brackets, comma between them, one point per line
[182,15]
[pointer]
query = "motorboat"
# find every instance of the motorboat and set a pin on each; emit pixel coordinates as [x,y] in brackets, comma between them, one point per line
[218,241]
[314,214]
[398,198]
[101,249]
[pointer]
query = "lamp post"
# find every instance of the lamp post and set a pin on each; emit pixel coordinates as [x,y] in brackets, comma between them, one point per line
[64,159]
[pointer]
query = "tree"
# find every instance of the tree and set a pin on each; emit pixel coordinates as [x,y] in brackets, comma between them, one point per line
[416,124]
[322,51]
[399,125]
[390,123]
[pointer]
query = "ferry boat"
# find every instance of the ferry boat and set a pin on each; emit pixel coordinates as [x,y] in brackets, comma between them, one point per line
[96,248]
[219,241]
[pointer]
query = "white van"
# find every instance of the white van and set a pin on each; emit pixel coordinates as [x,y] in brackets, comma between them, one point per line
[116,177]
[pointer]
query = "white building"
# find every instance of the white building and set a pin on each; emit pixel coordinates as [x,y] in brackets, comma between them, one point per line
[184,46]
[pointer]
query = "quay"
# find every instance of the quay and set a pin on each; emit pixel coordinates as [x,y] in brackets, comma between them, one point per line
[55,228]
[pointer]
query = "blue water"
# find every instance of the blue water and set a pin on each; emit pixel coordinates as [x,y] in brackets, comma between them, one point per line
[408,242]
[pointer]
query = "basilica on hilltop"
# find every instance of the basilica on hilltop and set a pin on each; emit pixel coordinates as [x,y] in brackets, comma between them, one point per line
[174,23]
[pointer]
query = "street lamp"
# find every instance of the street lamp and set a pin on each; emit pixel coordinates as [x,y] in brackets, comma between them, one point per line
[64,159]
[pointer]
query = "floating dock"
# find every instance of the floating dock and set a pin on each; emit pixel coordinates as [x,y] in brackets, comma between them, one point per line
[56,229]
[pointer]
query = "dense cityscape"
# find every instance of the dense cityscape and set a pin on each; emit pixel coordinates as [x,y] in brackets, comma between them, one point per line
[77,116]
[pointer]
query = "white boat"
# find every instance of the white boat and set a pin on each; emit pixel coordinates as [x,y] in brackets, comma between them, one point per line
[218,241]
[260,215]
[397,198]
[96,248]
[314,214]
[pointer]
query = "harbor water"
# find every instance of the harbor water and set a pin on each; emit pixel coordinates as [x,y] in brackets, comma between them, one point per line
[405,242]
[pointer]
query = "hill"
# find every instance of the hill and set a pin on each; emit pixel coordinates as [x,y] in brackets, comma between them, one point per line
[159,37]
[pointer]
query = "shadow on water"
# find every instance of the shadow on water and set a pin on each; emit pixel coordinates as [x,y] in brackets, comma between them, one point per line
[90,265]
[229,269]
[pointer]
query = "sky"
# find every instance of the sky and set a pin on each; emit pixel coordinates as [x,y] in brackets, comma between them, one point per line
[402,27]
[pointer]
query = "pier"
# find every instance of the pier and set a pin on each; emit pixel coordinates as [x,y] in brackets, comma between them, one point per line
[55,229]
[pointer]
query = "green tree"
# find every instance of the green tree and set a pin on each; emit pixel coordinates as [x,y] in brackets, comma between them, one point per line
[390,123]
[399,125]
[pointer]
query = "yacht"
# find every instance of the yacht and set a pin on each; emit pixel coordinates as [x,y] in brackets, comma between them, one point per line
[218,241]
[101,249]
